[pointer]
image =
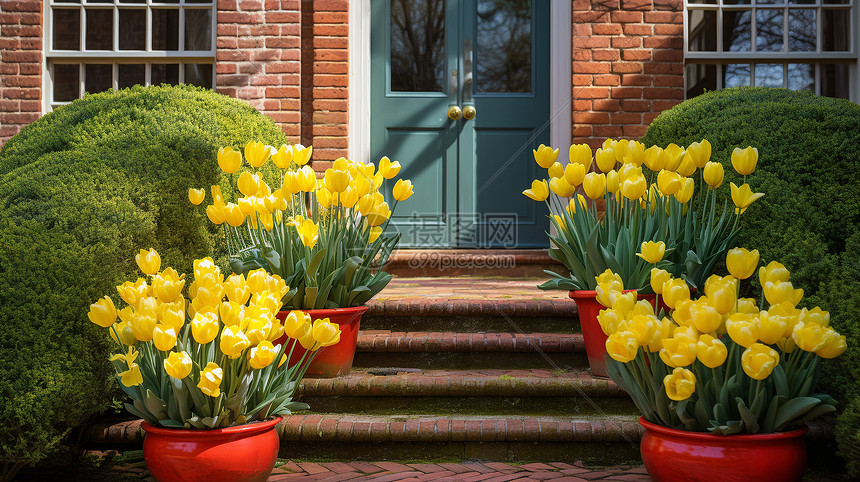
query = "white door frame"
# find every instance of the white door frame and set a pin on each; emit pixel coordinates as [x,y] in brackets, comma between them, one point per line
[359,79]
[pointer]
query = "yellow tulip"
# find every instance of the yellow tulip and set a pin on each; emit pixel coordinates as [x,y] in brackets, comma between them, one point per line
[704,316]
[758,361]
[605,159]
[686,191]
[781,292]
[635,153]
[229,160]
[678,351]
[743,196]
[196,196]
[620,148]
[675,291]
[307,179]
[634,187]
[609,320]
[233,215]
[774,272]
[652,252]
[622,346]
[167,286]
[810,337]
[302,154]
[215,213]
[772,327]
[132,377]
[375,232]
[178,365]
[682,313]
[700,152]
[366,204]
[297,324]
[148,261]
[381,212]
[654,158]
[132,292]
[237,289]
[325,332]
[643,327]
[122,333]
[402,189]
[744,160]
[673,154]
[249,184]
[711,351]
[815,315]
[687,167]
[668,182]
[606,293]
[262,355]
[210,380]
[556,170]
[743,328]
[659,277]
[102,312]
[714,174]
[336,181]
[539,191]
[283,157]
[663,331]
[747,305]
[834,345]
[388,168]
[594,185]
[204,327]
[545,156]
[324,197]
[561,187]
[164,337]
[741,262]
[257,153]
[233,342]
[309,233]
[786,345]
[613,183]
[721,293]
[680,385]
[579,154]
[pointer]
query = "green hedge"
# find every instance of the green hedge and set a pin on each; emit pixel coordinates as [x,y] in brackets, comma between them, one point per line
[809,218]
[80,191]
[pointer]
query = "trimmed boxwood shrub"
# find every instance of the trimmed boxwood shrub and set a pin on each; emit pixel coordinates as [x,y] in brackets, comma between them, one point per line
[80,191]
[809,218]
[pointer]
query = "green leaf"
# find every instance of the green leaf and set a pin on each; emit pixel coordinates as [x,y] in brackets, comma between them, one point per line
[792,410]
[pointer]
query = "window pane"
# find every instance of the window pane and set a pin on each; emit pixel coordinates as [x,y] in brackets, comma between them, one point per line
[769,2]
[834,80]
[702,31]
[801,77]
[67,29]
[836,30]
[801,30]
[131,74]
[418,45]
[700,77]
[802,2]
[769,27]
[736,75]
[839,2]
[165,29]
[736,2]
[132,29]
[199,75]
[67,82]
[198,29]
[737,30]
[710,2]
[164,74]
[99,29]
[503,54]
[98,77]
[769,75]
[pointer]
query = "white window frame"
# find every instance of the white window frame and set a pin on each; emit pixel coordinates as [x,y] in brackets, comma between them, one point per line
[817,57]
[115,57]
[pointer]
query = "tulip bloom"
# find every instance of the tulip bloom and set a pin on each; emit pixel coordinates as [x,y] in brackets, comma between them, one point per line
[102,312]
[555,170]
[668,182]
[148,261]
[714,174]
[686,191]
[283,157]
[743,328]
[652,252]
[538,192]
[257,153]
[229,160]
[772,327]
[336,181]
[744,160]
[131,377]
[700,152]
[325,332]
[704,316]
[402,189]
[721,293]
[609,320]
[675,291]
[164,337]
[613,183]
[758,361]
[810,337]
[262,355]
[634,187]
[743,196]
[658,278]
[678,351]
[711,351]
[167,286]
[375,232]
[561,187]
[297,324]
[834,345]
[680,384]
[309,233]
[545,156]
[605,159]
[594,185]
[741,262]
[196,196]
[580,154]
[204,327]
[210,380]
[387,168]
[233,342]
[622,346]
[178,365]
[381,212]
[687,167]
[674,155]
[654,158]
[237,289]
[302,154]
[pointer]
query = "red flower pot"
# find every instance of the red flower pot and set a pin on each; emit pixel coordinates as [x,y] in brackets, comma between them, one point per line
[335,360]
[241,453]
[678,455]
[587,308]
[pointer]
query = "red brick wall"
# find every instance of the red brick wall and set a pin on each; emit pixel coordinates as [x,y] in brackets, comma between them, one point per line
[20,65]
[628,66]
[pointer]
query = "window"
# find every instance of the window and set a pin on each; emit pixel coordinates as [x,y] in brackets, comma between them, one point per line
[796,44]
[95,45]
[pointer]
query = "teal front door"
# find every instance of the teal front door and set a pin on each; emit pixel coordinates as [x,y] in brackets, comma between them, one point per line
[460,97]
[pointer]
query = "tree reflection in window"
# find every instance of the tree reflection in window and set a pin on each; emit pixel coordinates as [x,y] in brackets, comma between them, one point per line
[504,54]
[737,31]
[769,28]
[417,45]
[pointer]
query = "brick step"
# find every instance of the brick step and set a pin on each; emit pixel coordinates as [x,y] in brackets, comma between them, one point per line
[471,262]
[383,348]
[432,437]
[475,304]
[485,392]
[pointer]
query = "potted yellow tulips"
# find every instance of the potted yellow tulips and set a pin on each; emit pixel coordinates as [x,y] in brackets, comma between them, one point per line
[204,367]
[325,238]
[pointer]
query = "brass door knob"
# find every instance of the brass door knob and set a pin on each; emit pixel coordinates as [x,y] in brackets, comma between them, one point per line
[469,112]
[454,112]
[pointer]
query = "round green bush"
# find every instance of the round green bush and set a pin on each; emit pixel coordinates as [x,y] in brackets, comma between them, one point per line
[81,190]
[809,218]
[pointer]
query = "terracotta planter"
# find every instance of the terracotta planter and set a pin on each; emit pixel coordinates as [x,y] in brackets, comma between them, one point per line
[678,455]
[588,308]
[336,360]
[241,453]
